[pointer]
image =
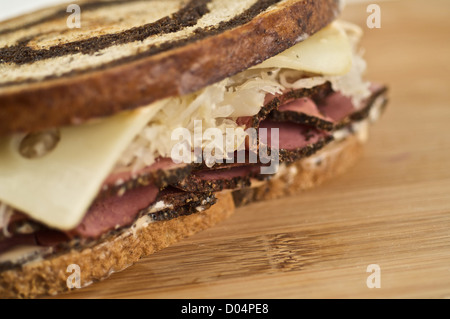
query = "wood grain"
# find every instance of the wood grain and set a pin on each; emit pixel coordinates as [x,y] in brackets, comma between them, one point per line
[391,209]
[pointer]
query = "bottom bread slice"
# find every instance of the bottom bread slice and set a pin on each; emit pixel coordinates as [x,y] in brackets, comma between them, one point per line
[49,276]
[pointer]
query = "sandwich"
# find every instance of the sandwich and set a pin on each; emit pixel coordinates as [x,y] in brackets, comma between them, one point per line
[155,119]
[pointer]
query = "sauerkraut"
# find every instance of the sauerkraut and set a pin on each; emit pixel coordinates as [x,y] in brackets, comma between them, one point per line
[220,104]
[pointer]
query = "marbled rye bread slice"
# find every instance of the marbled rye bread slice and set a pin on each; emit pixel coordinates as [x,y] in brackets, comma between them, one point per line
[131,53]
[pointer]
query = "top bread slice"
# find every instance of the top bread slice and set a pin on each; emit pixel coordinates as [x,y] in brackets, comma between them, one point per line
[131,53]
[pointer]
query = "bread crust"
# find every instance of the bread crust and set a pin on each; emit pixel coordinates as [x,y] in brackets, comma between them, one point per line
[49,277]
[70,100]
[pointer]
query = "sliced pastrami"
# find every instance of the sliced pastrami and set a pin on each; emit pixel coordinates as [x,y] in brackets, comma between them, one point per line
[295,141]
[213,180]
[341,109]
[176,203]
[304,111]
[108,215]
[331,112]
[115,211]
[338,107]
[50,237]
[24,231]
[273,102]
[378,91]
[162,173]
[172,203]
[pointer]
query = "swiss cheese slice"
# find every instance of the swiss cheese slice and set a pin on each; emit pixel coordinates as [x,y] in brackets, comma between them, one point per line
[327,52]
[58,188]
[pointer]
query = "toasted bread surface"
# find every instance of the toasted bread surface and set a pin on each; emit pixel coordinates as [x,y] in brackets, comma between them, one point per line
[129,54]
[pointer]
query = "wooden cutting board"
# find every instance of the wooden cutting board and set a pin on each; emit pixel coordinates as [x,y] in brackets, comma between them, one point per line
[392,209]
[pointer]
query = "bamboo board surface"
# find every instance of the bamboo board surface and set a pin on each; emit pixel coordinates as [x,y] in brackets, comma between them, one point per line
[391,209]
